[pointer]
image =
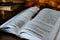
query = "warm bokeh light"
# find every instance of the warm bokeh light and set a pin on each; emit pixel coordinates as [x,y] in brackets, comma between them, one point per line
[54,4]
[29,3]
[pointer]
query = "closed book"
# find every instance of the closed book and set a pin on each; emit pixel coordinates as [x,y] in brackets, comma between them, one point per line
[6,3]
[14,1]
[10,8]
[6,0]
[18,1]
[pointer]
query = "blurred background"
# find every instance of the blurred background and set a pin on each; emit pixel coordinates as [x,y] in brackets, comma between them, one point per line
[10,8]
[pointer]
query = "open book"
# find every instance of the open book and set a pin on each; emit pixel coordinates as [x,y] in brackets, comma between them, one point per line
[44,26]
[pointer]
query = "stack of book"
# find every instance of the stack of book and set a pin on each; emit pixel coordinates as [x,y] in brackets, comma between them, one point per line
[10,7]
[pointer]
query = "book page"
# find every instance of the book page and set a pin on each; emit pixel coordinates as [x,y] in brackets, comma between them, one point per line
[58,36]
[42,25]
[19,20]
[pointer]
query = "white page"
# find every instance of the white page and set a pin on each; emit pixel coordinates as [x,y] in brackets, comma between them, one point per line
[58,37]
[42,25]
[54,31]
[20,19]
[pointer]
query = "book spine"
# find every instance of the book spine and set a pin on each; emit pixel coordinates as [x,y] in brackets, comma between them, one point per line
[5,8]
